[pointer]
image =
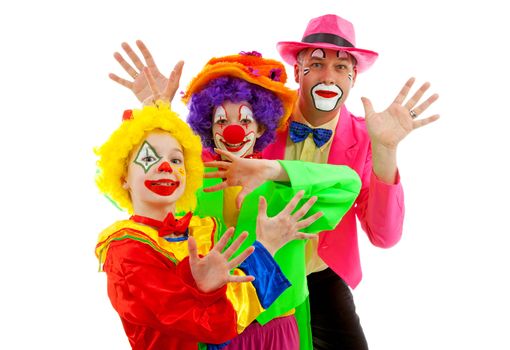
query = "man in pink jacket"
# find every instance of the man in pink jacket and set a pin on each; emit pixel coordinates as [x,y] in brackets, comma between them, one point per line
[326,64]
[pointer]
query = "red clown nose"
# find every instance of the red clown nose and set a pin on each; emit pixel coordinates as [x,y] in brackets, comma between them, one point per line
[165,166]
[234,134]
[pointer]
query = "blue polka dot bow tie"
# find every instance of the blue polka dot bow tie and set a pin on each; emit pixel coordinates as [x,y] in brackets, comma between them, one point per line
[300,131]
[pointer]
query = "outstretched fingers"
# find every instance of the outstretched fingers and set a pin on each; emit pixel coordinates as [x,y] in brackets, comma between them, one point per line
[149,60]
[221,186]
[417,96]
[289,208]
[241,195]
[133,56]
[302,235]
[240,279]
[217,164]
[121,81]
[418,123]
[423,106]
[367,106]
[230,156]
[173,82]
[404,91]
[308,221]
[235,245]
[127,67]
[218,174]
[193,251]
[262,213]
[241,257]
[222,242]
[304,208]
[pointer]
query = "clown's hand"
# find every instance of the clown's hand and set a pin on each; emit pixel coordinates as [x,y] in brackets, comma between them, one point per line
[278,230]
[139,85]
[389,127]
[167,94]
[244,172]
[212,271]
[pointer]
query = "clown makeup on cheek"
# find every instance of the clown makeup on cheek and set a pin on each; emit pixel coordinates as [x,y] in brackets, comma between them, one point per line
[316,54]
[326,97]
[146,156]
[180,172]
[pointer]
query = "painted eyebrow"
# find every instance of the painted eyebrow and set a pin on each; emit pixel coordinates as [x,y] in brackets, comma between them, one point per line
[323,58]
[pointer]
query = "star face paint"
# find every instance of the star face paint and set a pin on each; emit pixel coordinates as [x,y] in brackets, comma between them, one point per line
[234,128]
[156,175]
[326,97]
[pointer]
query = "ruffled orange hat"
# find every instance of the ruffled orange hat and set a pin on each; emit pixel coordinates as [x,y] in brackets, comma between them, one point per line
[252,67]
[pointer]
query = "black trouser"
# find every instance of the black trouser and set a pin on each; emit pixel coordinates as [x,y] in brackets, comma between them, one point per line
[335,324]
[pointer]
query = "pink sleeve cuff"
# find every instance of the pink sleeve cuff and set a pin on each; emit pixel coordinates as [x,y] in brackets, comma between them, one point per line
[385,214]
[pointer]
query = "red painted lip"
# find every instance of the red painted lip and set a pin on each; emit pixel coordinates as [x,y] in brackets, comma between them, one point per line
[326,93]
[163,187]
[234,149]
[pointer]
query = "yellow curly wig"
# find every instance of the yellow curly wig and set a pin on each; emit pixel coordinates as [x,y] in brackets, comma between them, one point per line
[114,154]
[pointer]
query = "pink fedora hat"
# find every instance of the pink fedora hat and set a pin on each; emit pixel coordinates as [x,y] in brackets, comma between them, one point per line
[328,32]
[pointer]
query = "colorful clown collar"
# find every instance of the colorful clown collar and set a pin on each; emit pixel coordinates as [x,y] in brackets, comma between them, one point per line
[202,229]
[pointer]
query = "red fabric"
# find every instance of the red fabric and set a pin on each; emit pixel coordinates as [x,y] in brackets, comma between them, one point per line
[128,114]
[170,225]
[159,303]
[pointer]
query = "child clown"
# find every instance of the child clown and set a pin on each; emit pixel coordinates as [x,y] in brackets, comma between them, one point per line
[169,278]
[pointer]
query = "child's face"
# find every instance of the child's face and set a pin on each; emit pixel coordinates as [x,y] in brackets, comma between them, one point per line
[156,174]
[234,128]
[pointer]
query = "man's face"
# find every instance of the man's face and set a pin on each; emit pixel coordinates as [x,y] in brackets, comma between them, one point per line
[156,172]
[325,78]
[234,128]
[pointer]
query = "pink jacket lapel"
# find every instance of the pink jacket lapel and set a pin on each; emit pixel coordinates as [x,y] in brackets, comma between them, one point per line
[343,148]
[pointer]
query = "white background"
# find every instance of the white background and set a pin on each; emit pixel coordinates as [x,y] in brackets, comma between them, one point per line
[444,286]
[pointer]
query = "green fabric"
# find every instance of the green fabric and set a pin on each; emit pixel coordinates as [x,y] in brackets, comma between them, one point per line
[303,321]
[336,188]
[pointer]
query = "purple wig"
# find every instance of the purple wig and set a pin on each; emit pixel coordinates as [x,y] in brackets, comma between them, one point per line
[267,108]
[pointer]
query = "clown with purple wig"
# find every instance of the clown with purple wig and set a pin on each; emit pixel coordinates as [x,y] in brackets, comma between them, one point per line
[236,105]
[260,106]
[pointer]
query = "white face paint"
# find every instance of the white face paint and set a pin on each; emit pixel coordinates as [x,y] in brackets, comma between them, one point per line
[220,116]
[234,128]
[318,53]
[342,54]
[326,97]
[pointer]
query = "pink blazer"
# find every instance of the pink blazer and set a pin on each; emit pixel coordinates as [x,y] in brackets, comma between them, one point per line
[379,207]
